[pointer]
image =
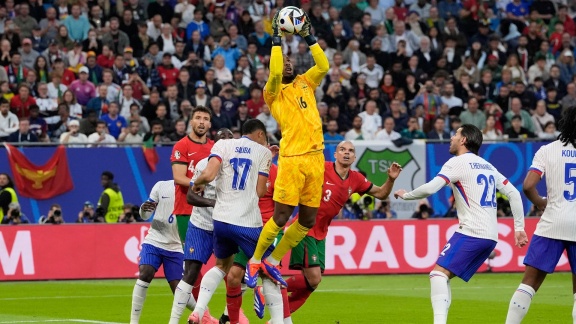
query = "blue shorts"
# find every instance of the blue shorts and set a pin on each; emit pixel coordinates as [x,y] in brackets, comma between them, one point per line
[463,255]
[198,245]
[172,261]
[544,253]
[228,238]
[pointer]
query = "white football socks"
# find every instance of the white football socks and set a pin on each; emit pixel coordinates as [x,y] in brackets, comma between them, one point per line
[574,311]
[440,295]
[138,298]
[209,284]
[182,297]
[273,298]
[519,304]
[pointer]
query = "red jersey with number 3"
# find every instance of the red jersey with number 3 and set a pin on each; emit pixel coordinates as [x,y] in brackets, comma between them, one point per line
[266,203]
[335,193]
[189,153]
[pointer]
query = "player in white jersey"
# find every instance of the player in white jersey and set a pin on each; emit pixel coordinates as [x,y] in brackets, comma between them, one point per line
[556,230]
[161,245]
[240,167]
[198,245]
[474,182]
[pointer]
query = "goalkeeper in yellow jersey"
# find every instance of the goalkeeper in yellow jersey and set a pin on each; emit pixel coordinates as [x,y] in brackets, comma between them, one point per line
[301,162]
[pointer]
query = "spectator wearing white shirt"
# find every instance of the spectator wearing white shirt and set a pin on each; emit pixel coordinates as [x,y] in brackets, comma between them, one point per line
[113,92]
[374,72]
[355,133]
[269,122]
[377,13]
[353,56]
[55,88]
[290,44]
[131,134]
[8,121]
[388,133]
[155,27]
[258,10]
[101,136]
[449,99]
[73,135]
[126,100]
[48,106]
[186,11]
[371,121]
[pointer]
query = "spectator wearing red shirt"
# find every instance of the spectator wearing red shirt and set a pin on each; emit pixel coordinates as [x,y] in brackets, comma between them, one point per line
[400,10]
[168,73]
[16,71]
[106,59]
[255,102]
[20,103]
[67,76]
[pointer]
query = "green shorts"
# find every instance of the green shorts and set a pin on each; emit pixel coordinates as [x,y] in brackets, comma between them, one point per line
[241,259]
[182,221]
[309,253]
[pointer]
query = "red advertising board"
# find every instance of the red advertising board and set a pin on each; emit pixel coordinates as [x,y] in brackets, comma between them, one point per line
[39,252]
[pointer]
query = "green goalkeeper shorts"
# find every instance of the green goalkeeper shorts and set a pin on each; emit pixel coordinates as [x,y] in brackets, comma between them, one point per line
[241,259]
[309,253]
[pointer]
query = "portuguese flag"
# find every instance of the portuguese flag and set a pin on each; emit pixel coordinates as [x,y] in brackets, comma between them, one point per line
[150,153]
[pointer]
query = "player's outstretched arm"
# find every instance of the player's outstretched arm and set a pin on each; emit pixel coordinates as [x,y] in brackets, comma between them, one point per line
[423,191]
[318,71]
[276,60]
[196,200]
[208,175]
[384,191]
[506,188]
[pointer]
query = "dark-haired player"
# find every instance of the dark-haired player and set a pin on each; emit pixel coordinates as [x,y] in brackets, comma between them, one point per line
[556,230]
[474,182]
[339,183]
[242,166]
[198,246]
[301,164]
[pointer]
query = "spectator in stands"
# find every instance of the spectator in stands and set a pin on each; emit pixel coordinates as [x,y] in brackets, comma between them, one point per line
[271,125]
[23,134]
[516,130]
[371,120]
[550,132]
[131,134]
[448,97]
[439,132]
[490,132]
[355,133]
[157,133]
[541,117]
[179,131]
[99,104]
[115,123]
[20,103]
[241,116]
[424,212]
[527,97]
[83,89]
[8,120]
[38,125]
[101,137]
[162,117]
[28,54]
[473,115]
[516,110]
[413,131]
[569,101]
[331,134]
[429,100]
[384,211]
[388,133]
[73,135]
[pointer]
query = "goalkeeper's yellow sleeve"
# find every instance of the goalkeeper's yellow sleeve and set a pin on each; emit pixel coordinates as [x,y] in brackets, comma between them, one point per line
[276,69]
[318,71]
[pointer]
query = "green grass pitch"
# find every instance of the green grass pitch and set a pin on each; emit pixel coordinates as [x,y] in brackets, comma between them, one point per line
[339,299]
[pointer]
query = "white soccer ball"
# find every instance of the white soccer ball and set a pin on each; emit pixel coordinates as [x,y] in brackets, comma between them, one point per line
[291,20]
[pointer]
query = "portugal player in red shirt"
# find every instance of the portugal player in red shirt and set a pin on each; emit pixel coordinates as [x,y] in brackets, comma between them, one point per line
[185,154]
[339,183]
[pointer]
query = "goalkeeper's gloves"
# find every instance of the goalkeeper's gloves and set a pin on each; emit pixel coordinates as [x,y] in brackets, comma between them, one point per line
[305,31]
[276,32]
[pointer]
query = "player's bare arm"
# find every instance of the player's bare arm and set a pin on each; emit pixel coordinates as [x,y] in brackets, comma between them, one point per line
[529,188]
[207,176]
[197,200]
[261,187]
[382,192]
[179,174]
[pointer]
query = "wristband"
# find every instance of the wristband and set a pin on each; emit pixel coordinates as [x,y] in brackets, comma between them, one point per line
[310,40]
[191,183]
[276,40]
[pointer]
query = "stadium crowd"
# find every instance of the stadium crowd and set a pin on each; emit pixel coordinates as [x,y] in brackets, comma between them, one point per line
[103,72]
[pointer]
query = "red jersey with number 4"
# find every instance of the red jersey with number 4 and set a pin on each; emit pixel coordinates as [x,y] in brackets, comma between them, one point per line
[336,192]
[266,203]
[189,153]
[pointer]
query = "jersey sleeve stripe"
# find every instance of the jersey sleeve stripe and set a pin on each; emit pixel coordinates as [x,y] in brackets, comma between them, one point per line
[505,182]
[151,200]
[263,174]
[215,156]
[535,170]
[367,190]
[444,177]
[462,192]
[178,162]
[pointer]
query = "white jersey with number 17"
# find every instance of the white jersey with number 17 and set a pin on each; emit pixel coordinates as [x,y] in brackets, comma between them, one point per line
[558,163]
[163,232]
[243,160]
[474,182]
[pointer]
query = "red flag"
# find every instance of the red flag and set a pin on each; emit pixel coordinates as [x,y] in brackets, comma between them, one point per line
[150,154]
[40,182]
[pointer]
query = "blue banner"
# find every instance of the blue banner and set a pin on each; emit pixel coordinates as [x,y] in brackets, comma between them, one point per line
[511,159]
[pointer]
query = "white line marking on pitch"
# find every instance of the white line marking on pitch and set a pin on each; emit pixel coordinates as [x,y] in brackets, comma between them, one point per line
[64,320]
